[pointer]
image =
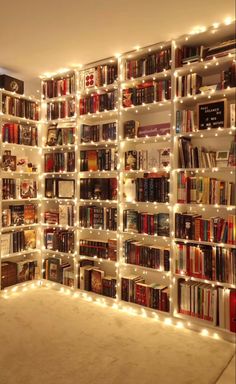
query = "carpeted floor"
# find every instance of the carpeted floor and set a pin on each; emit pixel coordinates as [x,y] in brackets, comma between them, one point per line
[50,338]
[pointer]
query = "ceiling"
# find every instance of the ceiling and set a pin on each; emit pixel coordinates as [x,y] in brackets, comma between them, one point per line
[45,35]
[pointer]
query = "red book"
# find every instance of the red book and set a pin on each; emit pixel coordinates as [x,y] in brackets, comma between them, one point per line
[232,309]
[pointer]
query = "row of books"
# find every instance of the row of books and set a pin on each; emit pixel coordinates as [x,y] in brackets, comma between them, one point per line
[19,215]
[98,160]
[59,240]
[103,189]
[98,132]
[94,279]
[61,109]
[58,87]
[149,223]
[96,217]
[188,85]
[60,188]
[189,54]
[204,190]
[59,162]
[206,262]
[203,301]
[148,92]
[98,102]
[152,188]
[60,134]
[150,158]
[217,229]
[149,64]
[101,249]
[18,272]
[134,290]
[12,242]
[20,107]
[99,76]
[195,156]
[19,188]
[228,77]
[20,134]
[147,255]
[63,215]
[58,271]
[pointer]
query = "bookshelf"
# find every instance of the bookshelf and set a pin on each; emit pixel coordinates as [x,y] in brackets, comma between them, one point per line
[20,192]
[140,121]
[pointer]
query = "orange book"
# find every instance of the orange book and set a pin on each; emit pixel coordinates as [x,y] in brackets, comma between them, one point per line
[92,160]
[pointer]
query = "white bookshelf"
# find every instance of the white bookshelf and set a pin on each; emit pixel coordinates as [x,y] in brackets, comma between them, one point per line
[27,152]
[147,113]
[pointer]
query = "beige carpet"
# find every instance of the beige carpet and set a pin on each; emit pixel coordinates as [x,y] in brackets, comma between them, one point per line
[50,338]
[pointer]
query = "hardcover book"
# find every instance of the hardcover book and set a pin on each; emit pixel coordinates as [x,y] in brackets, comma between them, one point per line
[130,129]
[96,281]
[28,188]
[30,238]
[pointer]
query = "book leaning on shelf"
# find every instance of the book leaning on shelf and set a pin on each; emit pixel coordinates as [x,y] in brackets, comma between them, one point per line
[135,290]
[206,262]
[59,271]
[20,134]
[13,242]
[204,190]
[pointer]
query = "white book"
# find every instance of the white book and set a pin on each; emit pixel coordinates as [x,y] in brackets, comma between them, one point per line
[232,115]
[5,244]
[153,158]
[129,190]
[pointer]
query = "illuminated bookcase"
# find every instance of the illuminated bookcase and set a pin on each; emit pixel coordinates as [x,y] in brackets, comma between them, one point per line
[144,90]
[20,190]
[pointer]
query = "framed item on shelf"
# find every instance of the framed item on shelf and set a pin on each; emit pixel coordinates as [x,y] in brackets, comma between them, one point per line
[52,136]
[222,158]
[66,189]
[212,114]
[8,162]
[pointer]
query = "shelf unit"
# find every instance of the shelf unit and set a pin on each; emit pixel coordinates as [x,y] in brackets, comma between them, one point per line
[155,112]
[17,168]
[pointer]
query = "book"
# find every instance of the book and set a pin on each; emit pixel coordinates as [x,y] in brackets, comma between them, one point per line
[8,161]
[165,157]
[130,128]
[28,188]
[5,244]
[96,280]
[153,130]
[232,115]
[30,239]
[22,164]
